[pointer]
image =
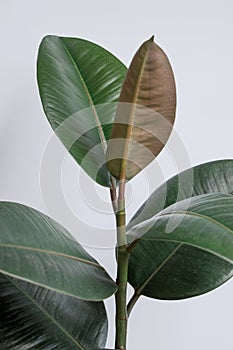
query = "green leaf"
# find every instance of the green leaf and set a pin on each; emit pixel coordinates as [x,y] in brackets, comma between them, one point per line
[212,177]
[76,75]
[37,249]
[37,318]
[194,257]
[145,114]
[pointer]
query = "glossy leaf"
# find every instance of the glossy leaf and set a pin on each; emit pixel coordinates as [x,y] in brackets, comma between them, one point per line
[193,258]
[76,75]
[212,177]
[37,249]
[145,114]
[37,318]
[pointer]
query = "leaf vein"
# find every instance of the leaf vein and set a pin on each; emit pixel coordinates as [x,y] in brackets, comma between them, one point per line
[45,313]
[43,251]
[99,126]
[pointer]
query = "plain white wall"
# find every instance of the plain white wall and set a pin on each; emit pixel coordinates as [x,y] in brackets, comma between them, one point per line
[197,37]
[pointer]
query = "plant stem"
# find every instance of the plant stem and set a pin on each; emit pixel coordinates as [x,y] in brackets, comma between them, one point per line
[113,194]
[122,272]
[132,302]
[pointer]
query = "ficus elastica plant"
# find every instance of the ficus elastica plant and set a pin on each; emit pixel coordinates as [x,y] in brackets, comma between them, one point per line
[114,121]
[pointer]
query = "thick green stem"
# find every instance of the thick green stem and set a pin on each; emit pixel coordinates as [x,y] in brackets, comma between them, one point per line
[121,299]
[122,273]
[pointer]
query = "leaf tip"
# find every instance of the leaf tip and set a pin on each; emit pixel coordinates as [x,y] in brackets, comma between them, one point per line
[152,38]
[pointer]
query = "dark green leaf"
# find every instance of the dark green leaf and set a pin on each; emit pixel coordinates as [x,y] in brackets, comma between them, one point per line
[32,317]
[212,177]
[37,249]
[145,114]
[185,250]
[76,75]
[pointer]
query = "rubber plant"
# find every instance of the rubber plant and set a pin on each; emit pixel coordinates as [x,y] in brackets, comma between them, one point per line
[114,121]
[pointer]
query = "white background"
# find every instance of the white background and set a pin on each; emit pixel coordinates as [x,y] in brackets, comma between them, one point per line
[197,37]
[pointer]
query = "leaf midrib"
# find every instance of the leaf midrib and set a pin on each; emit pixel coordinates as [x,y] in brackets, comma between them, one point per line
[45,313]
[131,117]
[99,126]
[50,252]
[202,216]
[139,290]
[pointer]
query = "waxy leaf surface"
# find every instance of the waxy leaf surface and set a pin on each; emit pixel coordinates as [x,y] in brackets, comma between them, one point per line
[184,250]
[75,76]
[33,317]
[37,249]
[145,114]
